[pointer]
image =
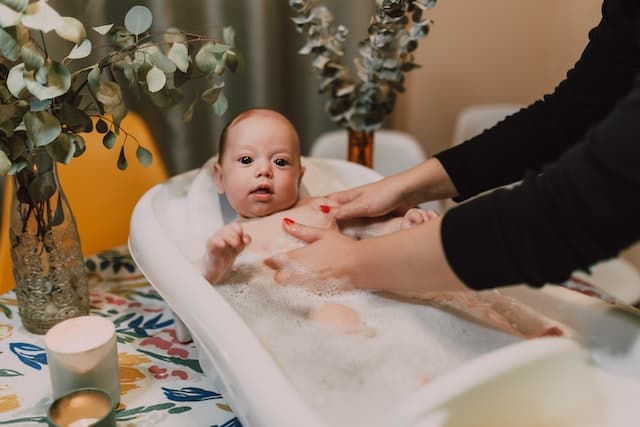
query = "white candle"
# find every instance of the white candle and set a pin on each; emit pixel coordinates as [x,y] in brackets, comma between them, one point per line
[82,352]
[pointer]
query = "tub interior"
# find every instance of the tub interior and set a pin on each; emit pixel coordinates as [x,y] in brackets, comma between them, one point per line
[411,361]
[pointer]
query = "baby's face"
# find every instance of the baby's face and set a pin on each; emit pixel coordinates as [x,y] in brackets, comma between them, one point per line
[260,171]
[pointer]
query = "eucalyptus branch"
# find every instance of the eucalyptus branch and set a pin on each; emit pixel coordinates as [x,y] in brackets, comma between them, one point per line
[384,56]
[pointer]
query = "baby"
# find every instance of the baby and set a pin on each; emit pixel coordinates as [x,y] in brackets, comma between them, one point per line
[259,170]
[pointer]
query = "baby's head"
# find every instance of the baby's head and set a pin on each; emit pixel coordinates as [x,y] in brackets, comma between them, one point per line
[258,165]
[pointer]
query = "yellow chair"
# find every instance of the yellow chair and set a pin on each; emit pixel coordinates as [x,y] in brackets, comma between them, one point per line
[101,196]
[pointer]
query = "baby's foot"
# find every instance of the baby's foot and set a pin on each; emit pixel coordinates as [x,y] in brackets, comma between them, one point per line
[416,216]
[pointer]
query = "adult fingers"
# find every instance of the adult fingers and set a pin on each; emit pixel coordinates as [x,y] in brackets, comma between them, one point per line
[306,233]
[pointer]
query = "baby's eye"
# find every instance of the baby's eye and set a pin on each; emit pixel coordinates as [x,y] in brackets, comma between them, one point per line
[281,162]
[245,160]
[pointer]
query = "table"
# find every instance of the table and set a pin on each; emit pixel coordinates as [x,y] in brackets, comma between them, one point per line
[161,380]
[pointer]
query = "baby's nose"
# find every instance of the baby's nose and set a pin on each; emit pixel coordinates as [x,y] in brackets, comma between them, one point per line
[264,169]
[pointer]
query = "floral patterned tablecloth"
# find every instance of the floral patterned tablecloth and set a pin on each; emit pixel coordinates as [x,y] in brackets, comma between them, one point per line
[162,383]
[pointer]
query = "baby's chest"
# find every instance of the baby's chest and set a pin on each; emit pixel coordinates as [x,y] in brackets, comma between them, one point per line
[268,236]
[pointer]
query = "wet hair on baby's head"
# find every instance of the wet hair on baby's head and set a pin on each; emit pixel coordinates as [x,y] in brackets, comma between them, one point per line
[242,116]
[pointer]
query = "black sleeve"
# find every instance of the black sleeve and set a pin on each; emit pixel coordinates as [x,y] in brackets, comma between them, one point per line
[579,210]
[539,134]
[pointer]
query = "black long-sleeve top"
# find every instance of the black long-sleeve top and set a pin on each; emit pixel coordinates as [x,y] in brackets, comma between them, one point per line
[578,150]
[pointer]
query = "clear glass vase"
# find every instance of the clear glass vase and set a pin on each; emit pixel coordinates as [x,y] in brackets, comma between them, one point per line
[360,148]
[48,266]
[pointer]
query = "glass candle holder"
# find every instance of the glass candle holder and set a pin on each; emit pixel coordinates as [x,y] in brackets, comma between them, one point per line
[83,408]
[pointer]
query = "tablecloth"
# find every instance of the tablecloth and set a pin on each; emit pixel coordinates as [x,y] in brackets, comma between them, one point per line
[162,383]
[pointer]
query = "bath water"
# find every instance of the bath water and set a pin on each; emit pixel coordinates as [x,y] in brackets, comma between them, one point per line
[354,378]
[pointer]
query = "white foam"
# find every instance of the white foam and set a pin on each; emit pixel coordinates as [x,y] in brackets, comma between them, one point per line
[351,378]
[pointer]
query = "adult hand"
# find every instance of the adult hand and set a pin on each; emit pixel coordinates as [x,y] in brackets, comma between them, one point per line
[397,193]
[409,260]
[321,264]
[371,200]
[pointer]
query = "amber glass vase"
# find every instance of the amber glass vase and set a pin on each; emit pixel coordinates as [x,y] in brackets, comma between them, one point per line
[361,147]
[48,266]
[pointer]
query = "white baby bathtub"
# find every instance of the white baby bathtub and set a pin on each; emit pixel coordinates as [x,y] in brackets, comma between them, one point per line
[500,380]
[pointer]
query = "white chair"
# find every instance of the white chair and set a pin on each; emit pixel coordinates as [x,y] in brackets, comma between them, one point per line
[473,120]
[393,152]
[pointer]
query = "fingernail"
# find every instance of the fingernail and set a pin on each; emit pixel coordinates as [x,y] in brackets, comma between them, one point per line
[325,208]
[288,221]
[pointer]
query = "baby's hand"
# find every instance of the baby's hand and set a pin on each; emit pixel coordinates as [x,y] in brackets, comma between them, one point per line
[416,216]
[222,249]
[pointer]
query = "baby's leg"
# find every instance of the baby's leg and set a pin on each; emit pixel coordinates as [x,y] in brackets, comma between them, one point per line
[416,216]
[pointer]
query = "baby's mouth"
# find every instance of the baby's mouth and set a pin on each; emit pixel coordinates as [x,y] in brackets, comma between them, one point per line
[262,189]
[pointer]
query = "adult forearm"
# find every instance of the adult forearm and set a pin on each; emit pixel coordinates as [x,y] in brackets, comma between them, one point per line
[410,260]
[425,182]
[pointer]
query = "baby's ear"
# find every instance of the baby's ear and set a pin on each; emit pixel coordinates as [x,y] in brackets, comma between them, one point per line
[217,174]
[302,169]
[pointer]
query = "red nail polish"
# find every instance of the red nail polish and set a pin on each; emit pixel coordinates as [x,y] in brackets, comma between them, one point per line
[288,221]
[325,208]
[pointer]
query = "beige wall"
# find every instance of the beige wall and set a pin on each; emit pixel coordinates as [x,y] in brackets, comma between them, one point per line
[491,51]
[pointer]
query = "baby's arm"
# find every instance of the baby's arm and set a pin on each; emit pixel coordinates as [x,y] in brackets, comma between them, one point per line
[222,249]
[370,227]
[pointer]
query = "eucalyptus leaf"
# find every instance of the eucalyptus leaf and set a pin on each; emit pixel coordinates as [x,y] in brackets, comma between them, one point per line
[42,17]
[122,159]
[75,119]
[188,114]
[101,126]
[81,50]
[221,105]
[5,163]
[156,79]
[79,143]
[138,19]
[6,128]
[109,93]
[174,35]
[31,55]
[17,167]
[103,29]
[206,60]
[230,59]
[37,105]
[94,77]
[109,140]
[211,95]
[117,112]
[161,61]
[42,127]
[17,145]
[71,29]
[62,148]
[58,81]
[8,16]
[144,156]
[41,75]
[121,38]
[8,46]
[7,111]
[179,54]
[15,80]
[16,5]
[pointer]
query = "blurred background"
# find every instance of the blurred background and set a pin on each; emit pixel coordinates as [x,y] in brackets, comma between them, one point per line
[477,52]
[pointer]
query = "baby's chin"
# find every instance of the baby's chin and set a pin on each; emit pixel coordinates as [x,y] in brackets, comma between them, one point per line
[261,211]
